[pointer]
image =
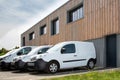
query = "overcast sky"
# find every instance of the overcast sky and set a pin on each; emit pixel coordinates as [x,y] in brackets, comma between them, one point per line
[16,16]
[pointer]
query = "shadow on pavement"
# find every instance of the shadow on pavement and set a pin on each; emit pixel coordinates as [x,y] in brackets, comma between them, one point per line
[64,72]
[61,72]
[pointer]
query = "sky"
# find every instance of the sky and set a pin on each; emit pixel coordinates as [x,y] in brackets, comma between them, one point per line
[16,16]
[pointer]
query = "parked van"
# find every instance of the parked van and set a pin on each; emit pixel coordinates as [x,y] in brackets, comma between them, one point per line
[21,61]
[6,55]
[7,60]
[64,55]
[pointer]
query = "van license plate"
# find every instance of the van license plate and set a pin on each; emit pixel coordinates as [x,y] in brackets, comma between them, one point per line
[30,64]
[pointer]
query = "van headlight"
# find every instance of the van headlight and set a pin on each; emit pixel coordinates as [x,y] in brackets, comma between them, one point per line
[34,59]
[15,60]
[40,56]
[6,57]
[1,59]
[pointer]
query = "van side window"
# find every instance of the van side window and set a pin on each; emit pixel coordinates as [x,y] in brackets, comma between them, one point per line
[70,48]
[24,51]
[42,50]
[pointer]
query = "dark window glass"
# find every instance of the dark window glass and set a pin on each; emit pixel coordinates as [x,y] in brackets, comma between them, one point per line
[42,50]
[25,51]
[23,41]
[75,14]
[70,48]
[32,36]
[43,30]
[55,27]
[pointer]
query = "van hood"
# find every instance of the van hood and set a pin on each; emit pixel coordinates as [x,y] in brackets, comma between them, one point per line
[1,57]
[32,58]
[28,58]
[18,58]
[8,53]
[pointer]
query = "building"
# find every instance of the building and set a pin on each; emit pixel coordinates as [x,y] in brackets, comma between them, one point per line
[82,20]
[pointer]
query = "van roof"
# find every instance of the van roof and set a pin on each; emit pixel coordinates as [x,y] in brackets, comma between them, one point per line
[36,46]
[75,42]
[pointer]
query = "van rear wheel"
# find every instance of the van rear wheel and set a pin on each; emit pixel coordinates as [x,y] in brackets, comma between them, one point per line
[90,64]
[52,67]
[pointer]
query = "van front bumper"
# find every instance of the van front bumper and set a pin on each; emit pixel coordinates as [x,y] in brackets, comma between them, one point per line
[0,63]
[5,65]
[40,64]
[20,64]
[31,65]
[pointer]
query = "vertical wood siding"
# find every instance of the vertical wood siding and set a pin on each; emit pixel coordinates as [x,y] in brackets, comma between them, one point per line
[101,18]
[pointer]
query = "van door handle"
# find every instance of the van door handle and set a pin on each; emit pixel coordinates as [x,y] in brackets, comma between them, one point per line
[75,55]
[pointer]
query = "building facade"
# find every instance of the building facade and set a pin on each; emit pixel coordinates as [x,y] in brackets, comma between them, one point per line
[96,21]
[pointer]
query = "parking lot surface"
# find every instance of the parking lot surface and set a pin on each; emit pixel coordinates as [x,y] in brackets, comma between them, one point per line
[33,75]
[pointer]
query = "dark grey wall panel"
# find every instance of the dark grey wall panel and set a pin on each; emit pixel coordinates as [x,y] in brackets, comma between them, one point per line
[118,50]
[100,51]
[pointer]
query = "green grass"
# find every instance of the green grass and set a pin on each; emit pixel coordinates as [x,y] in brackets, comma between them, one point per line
[104,75]
[2,54]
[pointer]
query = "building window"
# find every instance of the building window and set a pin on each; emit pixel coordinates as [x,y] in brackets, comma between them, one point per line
[55,27]
[43,30]
[23,41]
[32,36]
[76,13]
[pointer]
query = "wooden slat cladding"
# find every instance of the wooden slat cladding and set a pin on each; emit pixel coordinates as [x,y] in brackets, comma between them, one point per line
[119,15]
[101,18]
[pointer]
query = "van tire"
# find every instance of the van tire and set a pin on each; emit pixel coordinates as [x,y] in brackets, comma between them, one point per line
[52,67]
[90,64]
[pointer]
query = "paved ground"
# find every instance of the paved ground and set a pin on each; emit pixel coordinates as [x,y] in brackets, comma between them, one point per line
[33,75]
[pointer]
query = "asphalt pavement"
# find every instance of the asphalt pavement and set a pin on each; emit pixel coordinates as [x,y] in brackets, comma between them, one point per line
[34,75]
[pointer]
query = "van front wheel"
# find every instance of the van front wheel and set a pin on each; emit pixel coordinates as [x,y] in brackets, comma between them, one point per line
[52,67]
[90,64]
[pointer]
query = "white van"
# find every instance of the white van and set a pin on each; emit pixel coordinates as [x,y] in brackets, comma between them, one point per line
[6,55]
[7,60]
[70,54]
[20,62]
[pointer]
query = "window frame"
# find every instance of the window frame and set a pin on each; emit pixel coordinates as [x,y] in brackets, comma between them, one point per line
[73,10]
[43,30]
[55,28]
[23,41]
[32,35]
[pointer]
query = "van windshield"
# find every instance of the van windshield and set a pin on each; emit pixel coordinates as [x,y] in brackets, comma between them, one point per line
[39,50]
[34,51]
[26,50]
[10,52]
[55,47]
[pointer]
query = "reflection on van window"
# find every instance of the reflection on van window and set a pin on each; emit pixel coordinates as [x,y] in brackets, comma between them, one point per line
[42,50]
[25,51]
[55,47]
[70,48]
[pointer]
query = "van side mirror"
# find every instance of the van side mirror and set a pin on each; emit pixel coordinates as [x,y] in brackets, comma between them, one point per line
[19,53]
[63,50]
